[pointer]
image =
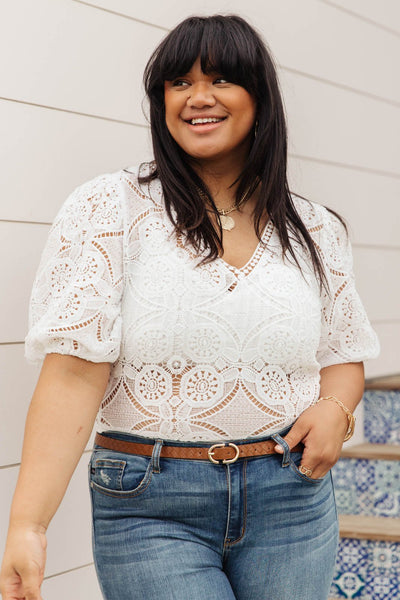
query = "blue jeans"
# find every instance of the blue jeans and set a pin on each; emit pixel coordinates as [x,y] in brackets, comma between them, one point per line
[177,529]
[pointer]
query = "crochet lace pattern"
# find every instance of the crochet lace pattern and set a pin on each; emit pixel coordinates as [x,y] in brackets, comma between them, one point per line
[209,352]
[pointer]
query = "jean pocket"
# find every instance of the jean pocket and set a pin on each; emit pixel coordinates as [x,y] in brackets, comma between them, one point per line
[295,460]
[120,475]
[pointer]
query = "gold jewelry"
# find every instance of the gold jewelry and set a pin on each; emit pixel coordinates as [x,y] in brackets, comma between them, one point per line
[305,470]
[351,420]
[227,223]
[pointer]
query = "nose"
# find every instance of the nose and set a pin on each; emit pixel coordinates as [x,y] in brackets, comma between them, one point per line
[200,95]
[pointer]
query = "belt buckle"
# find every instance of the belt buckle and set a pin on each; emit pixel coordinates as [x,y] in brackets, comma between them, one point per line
[225,461]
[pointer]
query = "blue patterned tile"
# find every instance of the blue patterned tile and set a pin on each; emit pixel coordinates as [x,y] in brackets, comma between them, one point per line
[368,487]
[347,501]
[364,475]
[367,570]
[382,417]
[348,585]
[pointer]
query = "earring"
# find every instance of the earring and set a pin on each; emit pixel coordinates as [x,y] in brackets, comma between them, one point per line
[255,130]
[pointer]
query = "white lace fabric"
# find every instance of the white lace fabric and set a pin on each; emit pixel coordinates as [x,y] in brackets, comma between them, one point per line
[202,353]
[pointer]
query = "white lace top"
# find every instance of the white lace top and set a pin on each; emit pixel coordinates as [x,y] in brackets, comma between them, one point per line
[207,352]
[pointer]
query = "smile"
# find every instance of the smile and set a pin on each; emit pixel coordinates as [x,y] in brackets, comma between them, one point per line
[204,120]
[204,124]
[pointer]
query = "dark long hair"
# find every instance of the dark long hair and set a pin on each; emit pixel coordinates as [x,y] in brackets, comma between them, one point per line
[229,46]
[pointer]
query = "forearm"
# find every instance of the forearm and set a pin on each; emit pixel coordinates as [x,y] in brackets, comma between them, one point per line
[59,422]
[345,381]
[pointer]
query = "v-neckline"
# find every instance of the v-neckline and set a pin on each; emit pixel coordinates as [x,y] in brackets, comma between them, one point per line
[248,266]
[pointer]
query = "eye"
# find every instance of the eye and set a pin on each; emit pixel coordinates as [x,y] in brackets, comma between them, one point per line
[179,83]
[221,80]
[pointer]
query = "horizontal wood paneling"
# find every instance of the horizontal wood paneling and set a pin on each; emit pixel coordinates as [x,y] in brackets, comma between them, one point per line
[382,13]
[368,201]
[17,383]
[80,584]
[22,244]
[45,154]
[8,480]
[69,533]
[83,77]
[388,382]
[332,124]
[157,12]
[372,452]
[378,282]
[302,35]
[71,526]
[388,361]
[369,528]
[74,57]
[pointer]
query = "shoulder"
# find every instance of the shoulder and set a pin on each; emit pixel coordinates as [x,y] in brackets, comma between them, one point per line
[94,192]
[141,188]
[327,231]
[318,219]
[93,206]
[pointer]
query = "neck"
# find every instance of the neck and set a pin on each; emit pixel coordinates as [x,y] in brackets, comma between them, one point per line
[219,177]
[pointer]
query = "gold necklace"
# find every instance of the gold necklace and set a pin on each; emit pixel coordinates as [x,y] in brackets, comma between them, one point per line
[227,222]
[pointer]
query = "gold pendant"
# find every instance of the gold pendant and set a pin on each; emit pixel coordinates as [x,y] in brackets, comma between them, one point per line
[227,222]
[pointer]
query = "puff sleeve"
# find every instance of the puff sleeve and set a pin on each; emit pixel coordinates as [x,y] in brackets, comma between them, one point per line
[346,333]
[75,303]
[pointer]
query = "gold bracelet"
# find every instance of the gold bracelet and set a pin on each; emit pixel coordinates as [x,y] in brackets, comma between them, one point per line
[351,420]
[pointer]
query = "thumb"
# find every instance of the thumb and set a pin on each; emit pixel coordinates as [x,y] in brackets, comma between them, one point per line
[294,437]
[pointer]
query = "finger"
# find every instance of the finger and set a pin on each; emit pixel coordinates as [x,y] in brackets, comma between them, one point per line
[294,437]
[31,586]
[310,460]
[32,592]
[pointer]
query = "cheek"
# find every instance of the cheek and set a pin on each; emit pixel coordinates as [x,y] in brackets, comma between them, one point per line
[246,107]
[172,109]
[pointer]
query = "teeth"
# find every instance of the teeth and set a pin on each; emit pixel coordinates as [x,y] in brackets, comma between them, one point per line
[201,121]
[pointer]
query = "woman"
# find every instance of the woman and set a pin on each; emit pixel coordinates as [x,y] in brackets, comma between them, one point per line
[212,317]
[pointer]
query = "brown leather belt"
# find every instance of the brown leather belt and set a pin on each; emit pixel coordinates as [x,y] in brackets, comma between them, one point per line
[224,452]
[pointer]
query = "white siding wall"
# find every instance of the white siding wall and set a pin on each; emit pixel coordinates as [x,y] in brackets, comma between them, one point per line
[70,109]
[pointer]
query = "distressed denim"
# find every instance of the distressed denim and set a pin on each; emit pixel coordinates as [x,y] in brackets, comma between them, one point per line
[173,529]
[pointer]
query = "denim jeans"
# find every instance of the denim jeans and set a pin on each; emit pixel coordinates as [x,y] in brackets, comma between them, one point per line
[177,529]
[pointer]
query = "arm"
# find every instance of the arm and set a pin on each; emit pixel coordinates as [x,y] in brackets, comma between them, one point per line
[59,423]
[322,427]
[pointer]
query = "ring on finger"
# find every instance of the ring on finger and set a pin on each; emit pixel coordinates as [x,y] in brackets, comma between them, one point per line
[305,470]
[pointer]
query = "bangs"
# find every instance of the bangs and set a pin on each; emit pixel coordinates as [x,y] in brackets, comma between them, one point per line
[222,45]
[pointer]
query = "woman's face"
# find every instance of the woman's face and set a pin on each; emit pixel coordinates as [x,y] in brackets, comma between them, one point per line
[209,117]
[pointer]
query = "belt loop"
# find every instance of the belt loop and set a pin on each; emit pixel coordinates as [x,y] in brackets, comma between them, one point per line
[286,450]
[155,456]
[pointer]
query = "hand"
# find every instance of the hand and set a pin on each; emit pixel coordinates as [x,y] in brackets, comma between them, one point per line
[321,428]
[23,565]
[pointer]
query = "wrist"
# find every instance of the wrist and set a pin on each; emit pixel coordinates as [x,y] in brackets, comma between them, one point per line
[350,418]
[22,524]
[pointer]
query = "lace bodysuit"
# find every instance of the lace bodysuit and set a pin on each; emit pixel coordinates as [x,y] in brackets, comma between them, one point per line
[207,352]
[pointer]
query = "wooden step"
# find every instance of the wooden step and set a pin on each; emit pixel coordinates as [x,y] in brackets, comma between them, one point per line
[369,528]
[388,382]
[372,451]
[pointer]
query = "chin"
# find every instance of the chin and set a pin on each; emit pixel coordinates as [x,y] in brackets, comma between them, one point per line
[197,155]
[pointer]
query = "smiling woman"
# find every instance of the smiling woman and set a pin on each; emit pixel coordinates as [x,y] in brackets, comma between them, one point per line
[223,314]
[219,66]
